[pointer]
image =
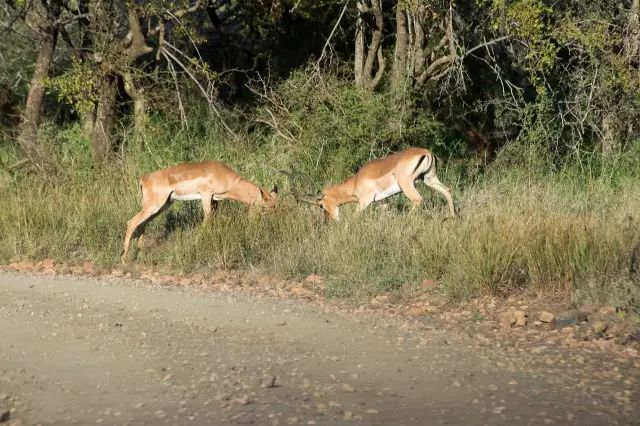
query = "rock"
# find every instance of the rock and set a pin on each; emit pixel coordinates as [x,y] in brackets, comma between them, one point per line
[506,318]
[48,266]
[417,310]
[607,310]
[512,317]
[546,316]
[570,317]
[268,381]
[117,273]
[314,279]
[302,292]
[5,415]
[347,387]
[428,284]
[521,318]
[380,300]
[244,400]
[599,327]
[89,268]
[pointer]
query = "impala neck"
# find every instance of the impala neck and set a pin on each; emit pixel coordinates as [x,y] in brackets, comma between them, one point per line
[342,193]
[246,192]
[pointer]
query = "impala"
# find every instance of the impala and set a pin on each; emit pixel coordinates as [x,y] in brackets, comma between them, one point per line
[383,178]
[209,181]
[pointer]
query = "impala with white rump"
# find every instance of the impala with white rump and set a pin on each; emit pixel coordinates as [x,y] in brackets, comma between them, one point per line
[383,178]
[209,181]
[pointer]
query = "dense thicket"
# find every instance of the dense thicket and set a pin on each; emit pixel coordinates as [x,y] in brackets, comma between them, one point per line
[564,74]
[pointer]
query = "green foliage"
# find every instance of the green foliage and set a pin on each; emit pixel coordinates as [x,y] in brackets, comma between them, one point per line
[77,87]
[524,224]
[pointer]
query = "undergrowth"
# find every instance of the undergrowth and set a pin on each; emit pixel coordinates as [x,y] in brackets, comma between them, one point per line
[527,222]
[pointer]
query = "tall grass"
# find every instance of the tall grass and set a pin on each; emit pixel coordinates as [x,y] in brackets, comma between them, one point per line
[526,224]
[552,233]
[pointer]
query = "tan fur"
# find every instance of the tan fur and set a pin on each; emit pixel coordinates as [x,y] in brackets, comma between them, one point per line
[377,176]
[211,181]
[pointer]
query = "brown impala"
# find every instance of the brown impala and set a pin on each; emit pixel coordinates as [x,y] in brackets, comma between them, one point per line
[384,177]
[209,181]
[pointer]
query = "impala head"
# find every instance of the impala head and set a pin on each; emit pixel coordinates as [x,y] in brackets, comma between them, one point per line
[268,199]
[330,207]
[326,203]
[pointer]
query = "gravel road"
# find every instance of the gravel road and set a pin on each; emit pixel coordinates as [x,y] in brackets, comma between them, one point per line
[101,351]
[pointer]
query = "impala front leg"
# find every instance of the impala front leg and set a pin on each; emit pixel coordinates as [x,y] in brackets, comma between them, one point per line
[408,188]
[208,204]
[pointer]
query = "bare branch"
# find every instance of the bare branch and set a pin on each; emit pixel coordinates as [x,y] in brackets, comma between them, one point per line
[335,27]
[485,44]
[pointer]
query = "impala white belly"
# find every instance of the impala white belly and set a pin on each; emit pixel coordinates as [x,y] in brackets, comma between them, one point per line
[392,190]
[186,197]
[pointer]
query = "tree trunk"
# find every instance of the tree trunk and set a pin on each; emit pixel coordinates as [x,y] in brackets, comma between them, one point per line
[28,135]
[609,136]
[358,65]
[401,48]
[101,137]
[367,75]
[632,36]
[139,105]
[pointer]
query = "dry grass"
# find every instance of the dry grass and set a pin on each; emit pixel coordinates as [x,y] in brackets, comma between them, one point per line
[553,234]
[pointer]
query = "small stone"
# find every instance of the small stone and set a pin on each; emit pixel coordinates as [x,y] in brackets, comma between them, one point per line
[599,327]
[5,415]
[314,279]
[417,310]
[244,400]
[428,284]
[521,318]
[89,267]
[607,310]
[302,292]
[347,387]
[506,318]
[499,409]
[268,381]
[3,396]
[546,316]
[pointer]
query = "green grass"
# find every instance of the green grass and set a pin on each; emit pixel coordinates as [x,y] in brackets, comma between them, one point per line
[531,221]
[548,233]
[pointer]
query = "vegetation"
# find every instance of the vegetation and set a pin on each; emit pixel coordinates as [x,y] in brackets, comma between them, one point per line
[532,107]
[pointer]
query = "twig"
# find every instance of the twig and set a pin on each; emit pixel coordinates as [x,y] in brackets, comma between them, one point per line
[335,27]
[204,92]
[485,44]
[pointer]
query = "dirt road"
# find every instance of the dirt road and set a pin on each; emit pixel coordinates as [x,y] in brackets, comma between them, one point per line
[87,351]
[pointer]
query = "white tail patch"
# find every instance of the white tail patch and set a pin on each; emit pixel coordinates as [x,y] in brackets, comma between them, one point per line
[186,197]
[392,190]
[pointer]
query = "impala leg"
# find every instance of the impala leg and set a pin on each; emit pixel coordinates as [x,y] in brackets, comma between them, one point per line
[140,220]
[409,189]
[207,204]
[363,203]
[434,182]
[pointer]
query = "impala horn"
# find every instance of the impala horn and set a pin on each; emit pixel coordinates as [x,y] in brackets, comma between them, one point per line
[308,198]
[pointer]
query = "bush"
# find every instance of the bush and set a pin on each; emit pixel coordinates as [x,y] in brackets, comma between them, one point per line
[528,222]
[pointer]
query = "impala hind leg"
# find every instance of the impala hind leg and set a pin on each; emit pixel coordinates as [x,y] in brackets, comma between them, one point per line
[434,183]
[139,222]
